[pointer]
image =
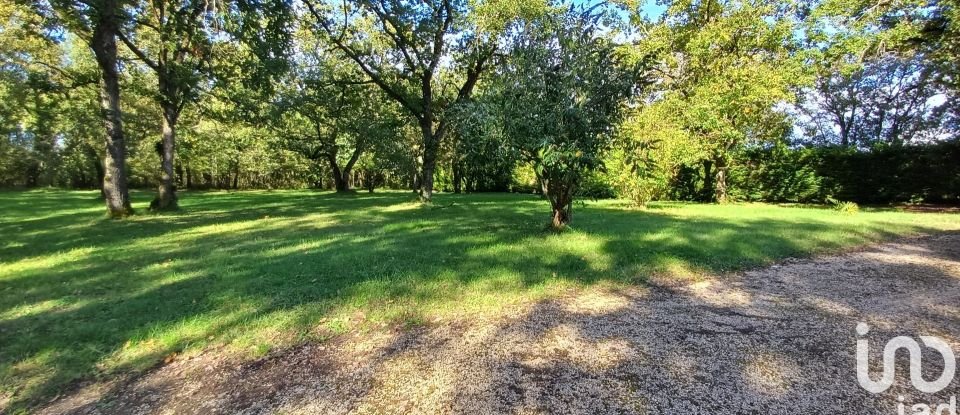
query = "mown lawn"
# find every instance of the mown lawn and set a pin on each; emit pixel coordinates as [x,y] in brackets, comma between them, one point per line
[82,297]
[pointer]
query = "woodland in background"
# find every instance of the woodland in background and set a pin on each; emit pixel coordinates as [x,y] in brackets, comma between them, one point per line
[708,100]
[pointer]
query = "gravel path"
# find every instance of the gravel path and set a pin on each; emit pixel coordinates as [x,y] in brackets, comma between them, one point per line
[770,341]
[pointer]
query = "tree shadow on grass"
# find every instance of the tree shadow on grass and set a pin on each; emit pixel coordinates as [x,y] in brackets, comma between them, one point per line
[82,297]
[772,341]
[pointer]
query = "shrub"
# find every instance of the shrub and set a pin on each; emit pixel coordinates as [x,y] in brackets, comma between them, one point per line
[846,208]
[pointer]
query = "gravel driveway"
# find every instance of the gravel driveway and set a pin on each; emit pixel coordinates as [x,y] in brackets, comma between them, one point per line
[770,341]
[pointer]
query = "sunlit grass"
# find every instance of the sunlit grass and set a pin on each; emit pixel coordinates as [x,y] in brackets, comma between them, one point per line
[83,297]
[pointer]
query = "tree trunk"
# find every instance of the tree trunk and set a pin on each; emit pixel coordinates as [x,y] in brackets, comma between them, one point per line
[708,192]
[178,170]
[561,200]
[166,193]
[341,178]
[340,184]
[431,144]
[561,216]
[371,177]
[560,195]
[844,131]
[104,45]
[457,177]
[721,183]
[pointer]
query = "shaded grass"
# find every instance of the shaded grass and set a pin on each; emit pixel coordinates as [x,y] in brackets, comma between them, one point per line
[82,297]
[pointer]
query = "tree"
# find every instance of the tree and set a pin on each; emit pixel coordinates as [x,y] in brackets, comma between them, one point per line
[171,38]
[560,93]
[402,47]
[729,68]
[886,72]
[331,112]
[175,39]
[891,99]
[48,106]
[98,23]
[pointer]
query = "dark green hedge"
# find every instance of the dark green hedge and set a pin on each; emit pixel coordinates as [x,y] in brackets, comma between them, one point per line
[885,174]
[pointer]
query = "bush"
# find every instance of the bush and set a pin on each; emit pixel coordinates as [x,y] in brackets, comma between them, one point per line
[846,208]
[778,174]
[523,179]
[885,174]
[638,183]
[596,185]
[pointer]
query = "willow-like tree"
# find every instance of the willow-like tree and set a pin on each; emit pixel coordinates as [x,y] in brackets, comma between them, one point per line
[560,94]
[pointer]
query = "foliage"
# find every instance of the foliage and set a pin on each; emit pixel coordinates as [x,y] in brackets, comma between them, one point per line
[481,159]
[898,173]
[648,152]
[845,208]
[778,174]
[888,100]
[400,47]
[559,93]
[330,114]
[727,69]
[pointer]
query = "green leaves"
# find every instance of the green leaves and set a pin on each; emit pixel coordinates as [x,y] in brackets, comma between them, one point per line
[560,93]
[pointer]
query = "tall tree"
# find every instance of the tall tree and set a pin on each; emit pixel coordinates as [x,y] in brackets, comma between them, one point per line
[171,38]
[98,23]
[887,71]
[402,47]
[892,99]
[31,77]
[727,67]
[175,39]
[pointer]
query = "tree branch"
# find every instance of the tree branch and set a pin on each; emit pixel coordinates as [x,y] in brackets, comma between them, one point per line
[371,72]
[136,51]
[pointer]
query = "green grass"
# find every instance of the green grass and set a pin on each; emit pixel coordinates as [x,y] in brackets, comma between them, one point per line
[82,297]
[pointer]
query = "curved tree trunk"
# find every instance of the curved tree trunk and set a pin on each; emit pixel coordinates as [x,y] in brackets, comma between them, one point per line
[720,164]
[341,178]
[561,216]
[340,183]
[104,45]
[560,194]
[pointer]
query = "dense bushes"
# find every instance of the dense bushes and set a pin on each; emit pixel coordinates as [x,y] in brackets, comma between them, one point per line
[778,174]
[927,173]
[884,174]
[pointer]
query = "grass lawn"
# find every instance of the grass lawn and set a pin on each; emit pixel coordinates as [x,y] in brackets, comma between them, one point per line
[82,297]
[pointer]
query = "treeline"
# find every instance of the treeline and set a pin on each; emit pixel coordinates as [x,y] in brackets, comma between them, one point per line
[928,173]
[703,100]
